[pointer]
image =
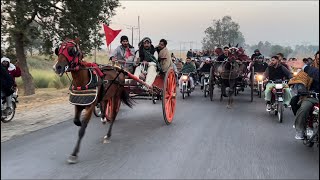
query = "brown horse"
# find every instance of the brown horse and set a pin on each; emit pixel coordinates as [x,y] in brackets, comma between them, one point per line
[90,85]
[231,70]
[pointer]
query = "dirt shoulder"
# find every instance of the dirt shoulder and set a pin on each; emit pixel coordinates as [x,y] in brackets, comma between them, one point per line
[38,111]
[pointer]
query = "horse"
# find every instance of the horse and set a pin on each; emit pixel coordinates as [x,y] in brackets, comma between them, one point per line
[90,85]
[230,72]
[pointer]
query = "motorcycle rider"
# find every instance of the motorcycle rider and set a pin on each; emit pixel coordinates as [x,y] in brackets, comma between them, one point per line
[225,54]
[205,68]
[146,55]
[302,105]
[256,54]
[273,72]
[258,64]
[187,68]
[283,61]
[8,88]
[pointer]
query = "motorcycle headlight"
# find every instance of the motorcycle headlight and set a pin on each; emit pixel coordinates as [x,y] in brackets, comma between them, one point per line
[184,78]
[260,77]
[279,86]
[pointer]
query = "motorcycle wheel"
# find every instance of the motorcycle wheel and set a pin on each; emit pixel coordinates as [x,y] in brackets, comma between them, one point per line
[260,90]
[280,112]
[183,91]
[205,90]
[10,117]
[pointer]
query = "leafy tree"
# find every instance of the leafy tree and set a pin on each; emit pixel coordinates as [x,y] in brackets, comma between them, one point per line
[221,33]
[58,19]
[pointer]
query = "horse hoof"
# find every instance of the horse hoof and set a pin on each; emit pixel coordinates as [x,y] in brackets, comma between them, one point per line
[229,106]
[106,140]
[77,123]
[72,159]
[104,120]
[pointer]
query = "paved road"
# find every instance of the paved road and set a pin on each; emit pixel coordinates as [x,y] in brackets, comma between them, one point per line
[206,140]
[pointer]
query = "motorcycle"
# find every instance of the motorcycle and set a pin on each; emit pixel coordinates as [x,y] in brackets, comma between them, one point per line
[206,84]
[277,98]
[186,88]
[312,124]
[259,83]
[5,118]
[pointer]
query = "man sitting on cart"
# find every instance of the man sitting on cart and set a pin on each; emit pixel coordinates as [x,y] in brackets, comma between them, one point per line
[124,52]
[164,56]
[188,67]
[146,57]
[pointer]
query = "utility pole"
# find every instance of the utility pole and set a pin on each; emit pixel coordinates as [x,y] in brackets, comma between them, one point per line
[132,28]
[132,35]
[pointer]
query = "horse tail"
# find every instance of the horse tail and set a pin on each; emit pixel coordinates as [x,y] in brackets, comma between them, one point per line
[126,99]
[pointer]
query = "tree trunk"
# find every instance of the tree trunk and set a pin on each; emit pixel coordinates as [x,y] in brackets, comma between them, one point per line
[27,79]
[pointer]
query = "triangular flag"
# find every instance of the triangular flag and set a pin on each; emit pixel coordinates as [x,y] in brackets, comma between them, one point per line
[110,34]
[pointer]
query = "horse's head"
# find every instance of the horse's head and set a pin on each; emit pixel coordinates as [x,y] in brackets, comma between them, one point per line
[69,56]
[234,53]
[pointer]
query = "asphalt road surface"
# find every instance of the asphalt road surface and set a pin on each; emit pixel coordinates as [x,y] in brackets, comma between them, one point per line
[205,140]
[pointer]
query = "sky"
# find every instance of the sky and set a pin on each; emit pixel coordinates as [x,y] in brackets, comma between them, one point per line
[183,23]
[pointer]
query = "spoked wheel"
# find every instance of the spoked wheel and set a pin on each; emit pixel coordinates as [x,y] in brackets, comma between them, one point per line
[169,96]
[251,83]
[97,110]
[280,112]
[9,118]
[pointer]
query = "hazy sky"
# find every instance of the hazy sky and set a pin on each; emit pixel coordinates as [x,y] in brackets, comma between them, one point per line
[279,22]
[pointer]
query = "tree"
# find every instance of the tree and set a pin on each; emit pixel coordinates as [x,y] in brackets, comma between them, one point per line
[221,33]
[58,19]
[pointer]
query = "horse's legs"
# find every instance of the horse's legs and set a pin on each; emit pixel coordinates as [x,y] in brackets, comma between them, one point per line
[78,110]
[113,117]
[223,88]
[74,158]
[232,84]
[103,111]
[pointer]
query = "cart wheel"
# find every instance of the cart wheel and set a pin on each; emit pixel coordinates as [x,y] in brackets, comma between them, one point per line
[211,83]
[251,84]
[169,96]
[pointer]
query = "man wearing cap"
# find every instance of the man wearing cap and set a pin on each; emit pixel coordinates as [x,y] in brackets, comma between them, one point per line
[13,71]
[256,54]
[205,68]
[146,56]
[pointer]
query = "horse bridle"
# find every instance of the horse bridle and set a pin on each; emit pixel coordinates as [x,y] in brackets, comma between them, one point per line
[73,56]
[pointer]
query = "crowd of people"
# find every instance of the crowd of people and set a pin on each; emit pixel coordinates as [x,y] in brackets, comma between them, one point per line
[146,66]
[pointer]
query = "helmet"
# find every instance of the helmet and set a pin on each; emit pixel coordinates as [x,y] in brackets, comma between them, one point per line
[257,50]
[5,59]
